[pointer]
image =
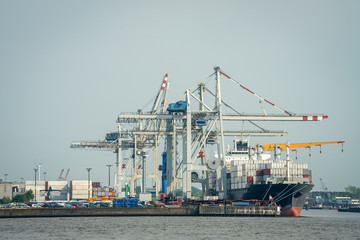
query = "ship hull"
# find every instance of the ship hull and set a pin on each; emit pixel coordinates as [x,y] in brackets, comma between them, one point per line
[291,197]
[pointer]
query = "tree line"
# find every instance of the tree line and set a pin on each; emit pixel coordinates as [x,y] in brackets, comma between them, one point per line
[352,191]
[26,197]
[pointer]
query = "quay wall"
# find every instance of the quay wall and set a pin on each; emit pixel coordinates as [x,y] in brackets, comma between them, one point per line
[83,212]
[202,210]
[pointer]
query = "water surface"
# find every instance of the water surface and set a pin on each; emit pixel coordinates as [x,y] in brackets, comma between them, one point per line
[313,224]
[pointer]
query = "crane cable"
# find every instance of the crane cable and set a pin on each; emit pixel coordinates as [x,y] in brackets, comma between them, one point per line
[243,87]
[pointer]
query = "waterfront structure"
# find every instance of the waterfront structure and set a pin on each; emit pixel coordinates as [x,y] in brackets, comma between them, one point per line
[189,127]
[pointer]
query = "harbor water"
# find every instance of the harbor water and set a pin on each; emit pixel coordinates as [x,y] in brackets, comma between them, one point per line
[313,224]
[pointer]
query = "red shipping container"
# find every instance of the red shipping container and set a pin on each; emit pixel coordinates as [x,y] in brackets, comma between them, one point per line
[266,171]
[95,184]
[250,179]
[259,173]
[305,176]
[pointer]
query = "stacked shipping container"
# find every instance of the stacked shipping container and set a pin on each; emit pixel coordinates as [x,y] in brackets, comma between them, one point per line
[59,189]
[40,189]
[103,192]
[80,189]
[246,172]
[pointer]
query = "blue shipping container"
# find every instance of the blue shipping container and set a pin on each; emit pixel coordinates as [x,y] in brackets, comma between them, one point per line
[179,106]
[201,122]
[241,203]
[112,136]
[119,202]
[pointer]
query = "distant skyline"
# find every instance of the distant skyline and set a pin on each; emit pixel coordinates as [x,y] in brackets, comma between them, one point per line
[68,68]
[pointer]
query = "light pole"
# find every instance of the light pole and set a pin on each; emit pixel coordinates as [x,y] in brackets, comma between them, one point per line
[45,176]
[5,181]
[35,169]
[88,169]
[109,166]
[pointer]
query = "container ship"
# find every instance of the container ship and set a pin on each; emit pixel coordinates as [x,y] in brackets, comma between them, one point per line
[253,175]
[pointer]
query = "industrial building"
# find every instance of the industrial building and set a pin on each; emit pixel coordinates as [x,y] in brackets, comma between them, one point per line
[11,189]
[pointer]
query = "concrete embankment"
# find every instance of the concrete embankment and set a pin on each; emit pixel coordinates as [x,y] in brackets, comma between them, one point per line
[87,212]
[202,210]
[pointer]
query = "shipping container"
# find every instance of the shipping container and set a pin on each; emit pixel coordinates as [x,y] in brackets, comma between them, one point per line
[259,173]
[266,171]
[241,203]
[250,179]
[95,184]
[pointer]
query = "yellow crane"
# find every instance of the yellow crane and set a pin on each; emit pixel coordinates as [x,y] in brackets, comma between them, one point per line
[270,147]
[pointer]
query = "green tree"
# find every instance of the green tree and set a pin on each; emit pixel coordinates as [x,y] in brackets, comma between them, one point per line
[179,192]
[28,196]
[19,198]
[5,200]
[195,192]
[353,192]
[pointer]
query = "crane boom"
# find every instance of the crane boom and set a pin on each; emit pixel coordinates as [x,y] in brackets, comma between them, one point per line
[270,147]
[157,100]
[67,173]
[161,91]
[324,188]
[60,176]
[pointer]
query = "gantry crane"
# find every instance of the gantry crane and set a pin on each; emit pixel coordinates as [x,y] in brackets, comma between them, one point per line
[278,147]
[195,126]
[326,191]
[136,138]
[270,147]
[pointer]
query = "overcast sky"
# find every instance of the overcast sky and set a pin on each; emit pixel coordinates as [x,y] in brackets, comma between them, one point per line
[68,68]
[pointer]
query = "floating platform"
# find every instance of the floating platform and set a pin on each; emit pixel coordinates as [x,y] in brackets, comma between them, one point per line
[202,210]
[231,210]
[350,209]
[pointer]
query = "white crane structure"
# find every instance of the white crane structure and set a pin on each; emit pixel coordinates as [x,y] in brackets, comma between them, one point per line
[189,127]
[134,138]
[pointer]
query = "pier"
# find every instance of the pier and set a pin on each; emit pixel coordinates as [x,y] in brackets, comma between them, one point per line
[202,210]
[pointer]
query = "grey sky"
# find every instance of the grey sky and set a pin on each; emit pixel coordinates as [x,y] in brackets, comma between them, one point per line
[67,68]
